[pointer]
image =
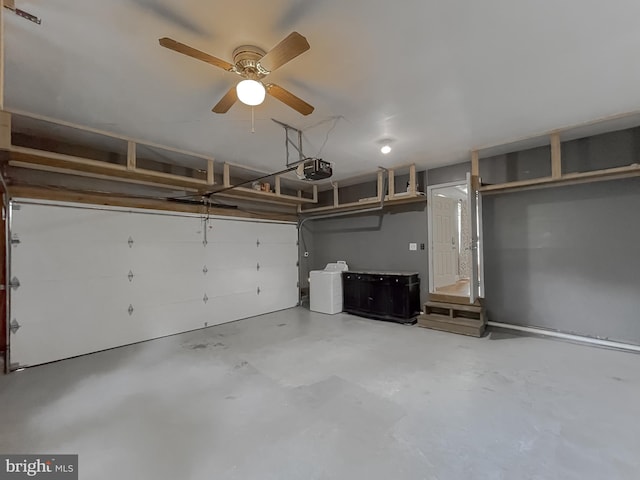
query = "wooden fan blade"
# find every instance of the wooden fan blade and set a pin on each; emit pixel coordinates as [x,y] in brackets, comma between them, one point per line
[289,99]
[286,50]
[192,52]
[226,102]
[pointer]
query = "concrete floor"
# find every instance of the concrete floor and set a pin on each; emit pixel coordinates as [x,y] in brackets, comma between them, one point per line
[300,395]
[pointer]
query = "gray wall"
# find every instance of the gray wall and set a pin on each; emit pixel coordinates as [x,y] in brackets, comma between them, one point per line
[370,241]
[450,173]
[566,258]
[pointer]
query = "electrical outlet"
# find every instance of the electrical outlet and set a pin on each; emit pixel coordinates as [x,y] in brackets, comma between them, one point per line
[422,246]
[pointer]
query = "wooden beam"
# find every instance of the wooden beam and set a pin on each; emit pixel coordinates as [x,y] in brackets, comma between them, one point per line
[277,184]
[131,155]
[475,163]
[412,179]
[392,183]
[5,129]
[475,170]
[336,196]
[380,185]
[226,175]
[20,191]
[210,173]
[556,156]
[315,193]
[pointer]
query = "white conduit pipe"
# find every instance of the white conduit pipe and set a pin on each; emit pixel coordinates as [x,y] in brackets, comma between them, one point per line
[568,336]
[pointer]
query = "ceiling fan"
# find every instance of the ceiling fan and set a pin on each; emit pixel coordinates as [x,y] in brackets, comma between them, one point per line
[253,65]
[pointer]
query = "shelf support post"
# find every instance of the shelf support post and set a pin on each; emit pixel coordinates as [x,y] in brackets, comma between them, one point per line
[131,155]
[475,170]
[210,177]
[556,156]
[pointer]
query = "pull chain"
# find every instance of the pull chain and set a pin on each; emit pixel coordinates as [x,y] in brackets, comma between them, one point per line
[253,120]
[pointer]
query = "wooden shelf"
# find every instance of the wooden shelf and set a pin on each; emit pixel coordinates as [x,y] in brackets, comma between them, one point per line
[125,160]
[355,206]
[267,197]
[564,179]
[60,163]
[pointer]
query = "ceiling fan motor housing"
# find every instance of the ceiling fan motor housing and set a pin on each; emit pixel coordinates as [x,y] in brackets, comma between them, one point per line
[247,62]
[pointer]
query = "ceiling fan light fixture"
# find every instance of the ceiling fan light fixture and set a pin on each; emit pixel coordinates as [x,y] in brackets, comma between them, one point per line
[250,92]
[385,149]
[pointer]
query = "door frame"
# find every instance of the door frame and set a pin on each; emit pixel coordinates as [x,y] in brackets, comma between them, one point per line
[476,282]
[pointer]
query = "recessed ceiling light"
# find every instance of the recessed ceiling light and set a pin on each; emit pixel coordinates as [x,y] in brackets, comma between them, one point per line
[385,149]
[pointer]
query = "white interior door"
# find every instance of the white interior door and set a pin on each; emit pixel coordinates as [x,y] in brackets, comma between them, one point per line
[445,241]
[93,278]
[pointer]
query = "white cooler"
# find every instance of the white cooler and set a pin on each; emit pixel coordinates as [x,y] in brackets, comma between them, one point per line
[325,288]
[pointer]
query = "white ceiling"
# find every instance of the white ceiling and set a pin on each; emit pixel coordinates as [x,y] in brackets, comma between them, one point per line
[436,77]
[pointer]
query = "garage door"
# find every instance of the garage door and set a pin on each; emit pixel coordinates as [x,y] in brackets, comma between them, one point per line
[97,278]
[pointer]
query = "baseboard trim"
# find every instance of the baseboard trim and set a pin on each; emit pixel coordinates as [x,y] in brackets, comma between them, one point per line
[568,336]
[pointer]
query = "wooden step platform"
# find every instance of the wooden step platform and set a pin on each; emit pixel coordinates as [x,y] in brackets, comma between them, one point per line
[452,317]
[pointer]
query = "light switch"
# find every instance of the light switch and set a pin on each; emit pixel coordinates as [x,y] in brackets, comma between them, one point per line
[413,246]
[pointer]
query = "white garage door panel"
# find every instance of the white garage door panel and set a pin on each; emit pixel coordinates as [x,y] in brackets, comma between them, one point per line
[238,254]
[166,228]
[153,258]
[230,231]
[66,319]
[162,289]
[226,282]
[272,255]
[153,321]
[232,307]
[277,295]
[270,233]
[76,297]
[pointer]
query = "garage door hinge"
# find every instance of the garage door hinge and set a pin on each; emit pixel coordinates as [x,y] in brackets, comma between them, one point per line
[14,326]
[130,242]
[15,240]
[205,269]
[258,290]
[130,309]
[130,276]
[258,266]
[257,242]
[15,283]
[205,299]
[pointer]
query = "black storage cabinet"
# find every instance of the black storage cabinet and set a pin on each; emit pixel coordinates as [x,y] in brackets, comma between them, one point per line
[391,296]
